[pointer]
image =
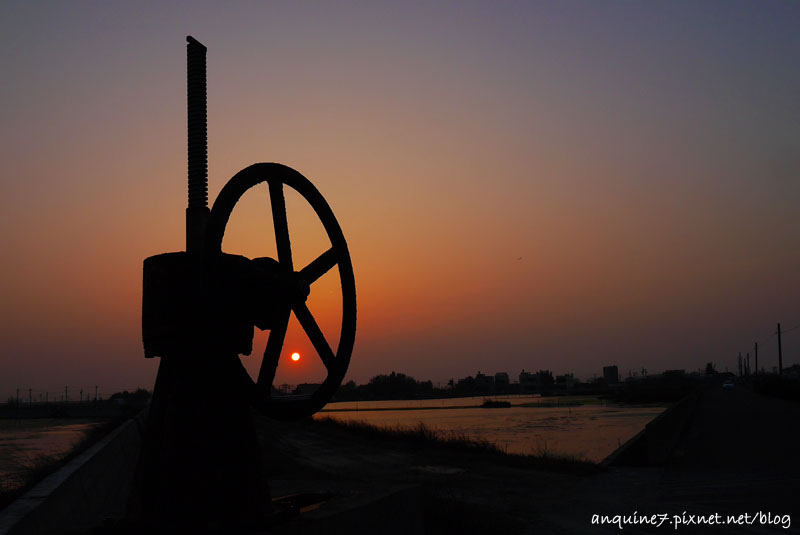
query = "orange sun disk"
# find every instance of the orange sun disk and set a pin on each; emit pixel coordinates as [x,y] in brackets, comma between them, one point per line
[295,356]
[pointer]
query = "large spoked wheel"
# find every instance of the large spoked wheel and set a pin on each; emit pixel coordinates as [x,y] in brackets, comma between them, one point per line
[260,392]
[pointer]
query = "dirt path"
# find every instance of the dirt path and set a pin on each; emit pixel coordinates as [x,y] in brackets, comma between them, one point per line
[464,492]
[741,454]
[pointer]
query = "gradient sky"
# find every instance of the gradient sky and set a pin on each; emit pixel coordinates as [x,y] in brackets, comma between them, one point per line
[558,185]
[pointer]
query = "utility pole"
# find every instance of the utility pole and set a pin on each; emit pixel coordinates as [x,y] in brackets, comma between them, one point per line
[66,394]
[780,354]
[747,365]
[95,392]
[756,356]
[739,359]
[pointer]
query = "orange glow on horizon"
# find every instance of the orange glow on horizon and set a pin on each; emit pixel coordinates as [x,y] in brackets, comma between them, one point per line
[537,212]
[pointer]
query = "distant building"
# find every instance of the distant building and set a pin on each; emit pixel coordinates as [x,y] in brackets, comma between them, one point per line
[611,375]
[501,382]
[527,382]
[673,374]
[484,383]
[565,381]
[466,381]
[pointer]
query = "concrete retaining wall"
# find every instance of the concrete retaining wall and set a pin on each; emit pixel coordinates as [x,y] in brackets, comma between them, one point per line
[654,445]
[92,487]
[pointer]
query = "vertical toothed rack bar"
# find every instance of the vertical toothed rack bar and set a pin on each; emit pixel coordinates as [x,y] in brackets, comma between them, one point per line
[197,211]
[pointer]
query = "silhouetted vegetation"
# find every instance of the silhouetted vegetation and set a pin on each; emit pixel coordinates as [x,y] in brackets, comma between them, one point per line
[391,386]
[423,436]
[139,398]
[401,386]
[777,386]
[669,386]
[120,404]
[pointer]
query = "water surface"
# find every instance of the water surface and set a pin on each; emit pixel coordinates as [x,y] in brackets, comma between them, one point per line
[583,427]
[28,443]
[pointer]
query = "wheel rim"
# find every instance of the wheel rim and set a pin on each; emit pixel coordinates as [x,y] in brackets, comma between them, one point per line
[278,176]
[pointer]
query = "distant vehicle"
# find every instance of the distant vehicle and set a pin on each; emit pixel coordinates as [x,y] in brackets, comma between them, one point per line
[727,385]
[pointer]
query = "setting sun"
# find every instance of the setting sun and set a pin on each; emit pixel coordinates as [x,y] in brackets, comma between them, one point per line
[295,356]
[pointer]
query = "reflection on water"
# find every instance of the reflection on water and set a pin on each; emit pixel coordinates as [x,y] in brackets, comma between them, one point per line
[24,444]
[578,426]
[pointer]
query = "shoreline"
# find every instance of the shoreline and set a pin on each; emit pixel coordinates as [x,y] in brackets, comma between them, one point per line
[424,436]
[39,466]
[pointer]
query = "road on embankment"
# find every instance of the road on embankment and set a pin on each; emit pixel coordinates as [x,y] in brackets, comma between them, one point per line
[740,453]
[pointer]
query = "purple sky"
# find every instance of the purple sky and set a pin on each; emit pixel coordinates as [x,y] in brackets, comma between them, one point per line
[559,185]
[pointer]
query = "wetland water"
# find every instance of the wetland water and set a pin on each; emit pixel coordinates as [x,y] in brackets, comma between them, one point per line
[27,443]
[580,426]
[584,427]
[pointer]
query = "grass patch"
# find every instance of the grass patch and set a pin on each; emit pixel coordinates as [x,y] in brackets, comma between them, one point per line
[451,441]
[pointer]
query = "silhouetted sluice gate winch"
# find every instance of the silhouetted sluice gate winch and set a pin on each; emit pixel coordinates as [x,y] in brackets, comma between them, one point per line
[200,460]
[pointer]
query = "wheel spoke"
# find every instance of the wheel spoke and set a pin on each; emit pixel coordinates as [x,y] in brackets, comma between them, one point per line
[272,353]
[314,333]
[320,266]
[281,225]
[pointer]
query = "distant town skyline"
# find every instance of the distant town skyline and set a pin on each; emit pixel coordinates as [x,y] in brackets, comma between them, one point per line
[559,186]
[88,392]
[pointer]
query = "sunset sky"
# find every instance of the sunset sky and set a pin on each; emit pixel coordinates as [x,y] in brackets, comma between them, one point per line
[539,185]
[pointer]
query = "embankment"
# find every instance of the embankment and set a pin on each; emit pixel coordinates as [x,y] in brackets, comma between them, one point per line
[83,493]
[654,444]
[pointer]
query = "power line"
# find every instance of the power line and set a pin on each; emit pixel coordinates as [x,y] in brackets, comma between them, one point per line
[784,331]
